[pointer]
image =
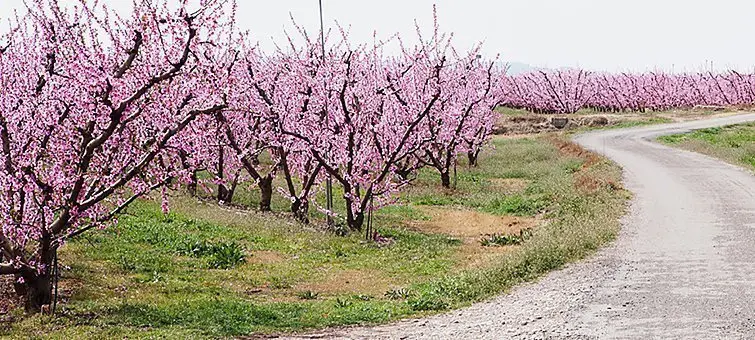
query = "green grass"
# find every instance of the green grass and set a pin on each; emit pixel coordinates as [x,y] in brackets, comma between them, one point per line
[506,111]
[734,143]
[651,120]
[208,271]
[645,120]
[530,160]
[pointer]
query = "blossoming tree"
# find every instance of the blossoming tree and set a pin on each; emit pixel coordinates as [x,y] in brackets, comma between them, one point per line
[90,109]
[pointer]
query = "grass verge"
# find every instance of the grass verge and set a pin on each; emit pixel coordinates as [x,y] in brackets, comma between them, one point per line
[734,144]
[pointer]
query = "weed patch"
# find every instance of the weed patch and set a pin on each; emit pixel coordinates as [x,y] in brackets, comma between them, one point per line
[492,240]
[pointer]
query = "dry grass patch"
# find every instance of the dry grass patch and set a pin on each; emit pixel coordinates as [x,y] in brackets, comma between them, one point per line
[569,148]
[470,225]
[266,257]
[510,185]
[472,255]
[590,183]
[585,181]
[350,281]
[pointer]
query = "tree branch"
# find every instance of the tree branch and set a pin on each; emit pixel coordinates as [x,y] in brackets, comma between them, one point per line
[8,269]
[132,53]
[111,214]
[137,169]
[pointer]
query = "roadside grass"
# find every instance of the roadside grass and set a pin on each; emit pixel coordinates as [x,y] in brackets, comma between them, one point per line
[646,120]
[734,143]
[649,120]
[507,111]
[211,271]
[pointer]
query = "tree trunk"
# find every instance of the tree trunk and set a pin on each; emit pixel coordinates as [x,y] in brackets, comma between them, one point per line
[445,179]
[19,288]
[300,208]
[224,195]
[192,187]
[472,157]
[403,173]
[266,192]
[223,192]
[38,292]
[355,221]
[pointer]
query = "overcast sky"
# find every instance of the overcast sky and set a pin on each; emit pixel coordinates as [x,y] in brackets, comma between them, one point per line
[609,35]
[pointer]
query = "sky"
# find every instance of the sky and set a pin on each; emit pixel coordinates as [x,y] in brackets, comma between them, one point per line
[600,35]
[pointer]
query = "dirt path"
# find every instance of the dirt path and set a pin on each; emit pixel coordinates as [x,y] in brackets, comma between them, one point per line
[683,266]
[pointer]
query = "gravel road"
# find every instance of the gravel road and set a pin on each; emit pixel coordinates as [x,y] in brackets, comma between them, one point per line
[682,267]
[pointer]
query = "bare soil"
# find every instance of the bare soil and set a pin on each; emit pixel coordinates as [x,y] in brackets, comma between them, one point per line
[469,224]
[360,281]
[470,227]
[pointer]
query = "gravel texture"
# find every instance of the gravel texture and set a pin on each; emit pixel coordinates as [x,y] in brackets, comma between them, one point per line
[682,267]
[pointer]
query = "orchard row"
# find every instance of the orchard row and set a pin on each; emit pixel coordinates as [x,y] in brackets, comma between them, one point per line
[568,91]
[98,110]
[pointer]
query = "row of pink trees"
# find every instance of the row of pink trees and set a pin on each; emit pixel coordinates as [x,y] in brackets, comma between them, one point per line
[362,118]
[98,110]
[567,91]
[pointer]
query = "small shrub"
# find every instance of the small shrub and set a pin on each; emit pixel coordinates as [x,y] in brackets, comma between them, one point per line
[398,294]
[343,303]
[222,255]
[341,229]
[195,249]
[277,282]
[307,295]
[340,253]
[428,302]
[226,255]
[491,240]
[362,297]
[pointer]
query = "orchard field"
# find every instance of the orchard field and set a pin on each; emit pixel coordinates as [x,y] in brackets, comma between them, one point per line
[161,175]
